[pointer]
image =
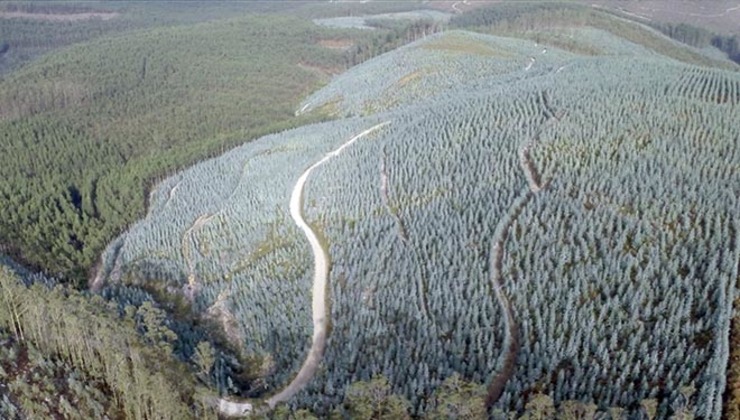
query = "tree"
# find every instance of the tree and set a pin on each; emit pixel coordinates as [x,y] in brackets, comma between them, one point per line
[204,358]
[540,407]
[650,407]
[572,410]
[459,399]
[374,400]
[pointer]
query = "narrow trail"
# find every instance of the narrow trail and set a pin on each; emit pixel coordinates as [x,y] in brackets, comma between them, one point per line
[320,279]
[100,276]
[187,237]
[302,110]
[532,60]
[535,185]
[511,337]
[191,288]
[171,194]
[402,232]
[421,280]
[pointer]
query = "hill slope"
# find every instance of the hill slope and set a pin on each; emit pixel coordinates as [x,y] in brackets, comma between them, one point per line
[534,219]
[85,131]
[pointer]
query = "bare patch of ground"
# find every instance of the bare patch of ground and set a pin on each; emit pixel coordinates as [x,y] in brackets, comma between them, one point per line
[221,313]
[58,17]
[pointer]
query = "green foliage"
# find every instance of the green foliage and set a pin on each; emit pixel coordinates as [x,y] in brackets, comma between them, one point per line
[630,225]
[539,407]
[85,131]
[374,400]
[204,358]
[66,353]
[701,38]
[27,38]
[458,399]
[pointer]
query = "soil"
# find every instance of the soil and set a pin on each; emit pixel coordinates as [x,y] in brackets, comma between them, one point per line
[58,17]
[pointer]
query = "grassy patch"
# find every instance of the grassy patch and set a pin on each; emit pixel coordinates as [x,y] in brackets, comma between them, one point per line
[457,44]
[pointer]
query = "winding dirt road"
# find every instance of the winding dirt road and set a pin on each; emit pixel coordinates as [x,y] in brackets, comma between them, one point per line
[320,279]
[230,408]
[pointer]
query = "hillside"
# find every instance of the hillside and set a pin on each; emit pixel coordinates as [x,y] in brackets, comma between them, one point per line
[551,220]
[87,130]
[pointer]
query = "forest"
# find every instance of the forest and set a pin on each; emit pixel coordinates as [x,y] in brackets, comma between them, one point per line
[525,211]
[84,137]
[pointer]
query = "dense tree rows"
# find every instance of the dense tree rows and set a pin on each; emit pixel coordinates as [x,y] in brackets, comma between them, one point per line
[26,39]
[637,233]
[86,130]
[384,20]
[414,302]
[701,38]
[222,230]
[82,134]
[611,247]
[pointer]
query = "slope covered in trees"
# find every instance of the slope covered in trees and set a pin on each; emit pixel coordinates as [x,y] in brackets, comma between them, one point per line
[31,29]
[538,221]
[85,131]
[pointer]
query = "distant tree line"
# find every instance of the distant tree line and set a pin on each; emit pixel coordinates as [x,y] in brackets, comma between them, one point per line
[523,18]
[391,35]
[701,38]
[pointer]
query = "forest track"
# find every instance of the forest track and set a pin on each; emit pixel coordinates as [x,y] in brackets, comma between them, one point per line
[320,279]
[422,280]
[535,185]
[402,232]
[511,337]
[101,275]
[187,237]
[171,194]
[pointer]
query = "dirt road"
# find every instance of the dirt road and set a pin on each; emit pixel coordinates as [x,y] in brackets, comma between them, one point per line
[320,279]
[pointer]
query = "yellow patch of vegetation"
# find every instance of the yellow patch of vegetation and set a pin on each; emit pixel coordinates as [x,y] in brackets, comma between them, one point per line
[322,71]
[463,45]
[330,108]
[411,77]
[265,248]
[337,44]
